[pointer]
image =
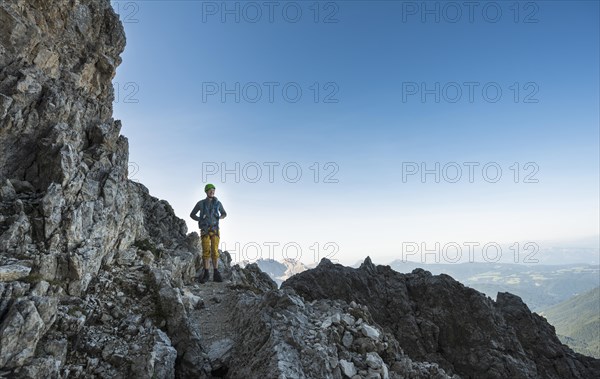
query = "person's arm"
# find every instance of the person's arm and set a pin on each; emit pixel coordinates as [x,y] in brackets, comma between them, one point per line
[194,211]
[222,211]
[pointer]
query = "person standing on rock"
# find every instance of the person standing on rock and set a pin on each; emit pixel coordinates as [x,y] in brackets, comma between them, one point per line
[211,211]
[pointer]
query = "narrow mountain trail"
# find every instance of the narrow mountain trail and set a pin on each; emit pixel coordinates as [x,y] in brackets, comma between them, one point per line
[212,315]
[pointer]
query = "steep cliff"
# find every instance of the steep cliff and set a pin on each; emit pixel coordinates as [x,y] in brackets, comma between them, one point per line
[71,224]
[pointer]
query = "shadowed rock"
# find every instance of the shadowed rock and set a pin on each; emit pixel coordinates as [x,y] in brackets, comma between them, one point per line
[437,319]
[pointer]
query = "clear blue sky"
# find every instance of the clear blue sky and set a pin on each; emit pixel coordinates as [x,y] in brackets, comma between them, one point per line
[379,84]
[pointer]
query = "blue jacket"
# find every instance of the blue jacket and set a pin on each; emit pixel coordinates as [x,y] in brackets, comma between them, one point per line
[210,212]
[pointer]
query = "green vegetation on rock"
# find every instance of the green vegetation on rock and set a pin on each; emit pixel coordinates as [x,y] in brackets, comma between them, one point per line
[577,322]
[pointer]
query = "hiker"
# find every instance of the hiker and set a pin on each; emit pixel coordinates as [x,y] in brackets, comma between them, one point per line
[211,211]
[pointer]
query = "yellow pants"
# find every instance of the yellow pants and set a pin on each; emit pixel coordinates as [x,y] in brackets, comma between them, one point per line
[210,244]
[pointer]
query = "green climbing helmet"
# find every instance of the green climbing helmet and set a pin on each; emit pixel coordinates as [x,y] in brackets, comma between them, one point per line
[209,187]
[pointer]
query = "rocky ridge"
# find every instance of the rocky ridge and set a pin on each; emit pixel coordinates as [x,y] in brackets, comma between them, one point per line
[97,276]
[437,319]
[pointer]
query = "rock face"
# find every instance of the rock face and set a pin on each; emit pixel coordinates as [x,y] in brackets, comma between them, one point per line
[85,255]
[272,333]
[97,276]
[283,336]
[437,319]
[59,138]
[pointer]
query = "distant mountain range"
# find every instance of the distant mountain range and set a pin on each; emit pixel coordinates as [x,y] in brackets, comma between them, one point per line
[548,252]
[577,322]
[281,271]
[540,286]
[564,254]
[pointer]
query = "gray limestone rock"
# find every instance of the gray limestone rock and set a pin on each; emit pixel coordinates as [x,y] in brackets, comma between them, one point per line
[13,272]
[68,214]
[348,368]
[251,277]
[437,319]
[5,103]
[19,334]
[7,191]
[369,331]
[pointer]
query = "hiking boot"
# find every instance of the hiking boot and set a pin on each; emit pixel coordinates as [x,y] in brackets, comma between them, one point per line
[204,277]
[217,276]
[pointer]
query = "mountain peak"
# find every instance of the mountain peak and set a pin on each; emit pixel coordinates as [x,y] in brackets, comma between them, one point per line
[437,319]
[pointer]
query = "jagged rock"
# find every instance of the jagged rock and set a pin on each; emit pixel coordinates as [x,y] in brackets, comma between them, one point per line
[52,206]
[436,319]
[5,103]
[369,331]
[9,292]
[348,368]
[374,361]
[29,85]
[20,332]
[21,186]
[46,307]
[40,289]
[294,338]
[46,125]
[540,342]
[10,273]
[219,353]
[70,220]
[191,301]
[126,257]
[347,339]
[182,332]
[162,364]
[7,191]
[147,257]
[251,277]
